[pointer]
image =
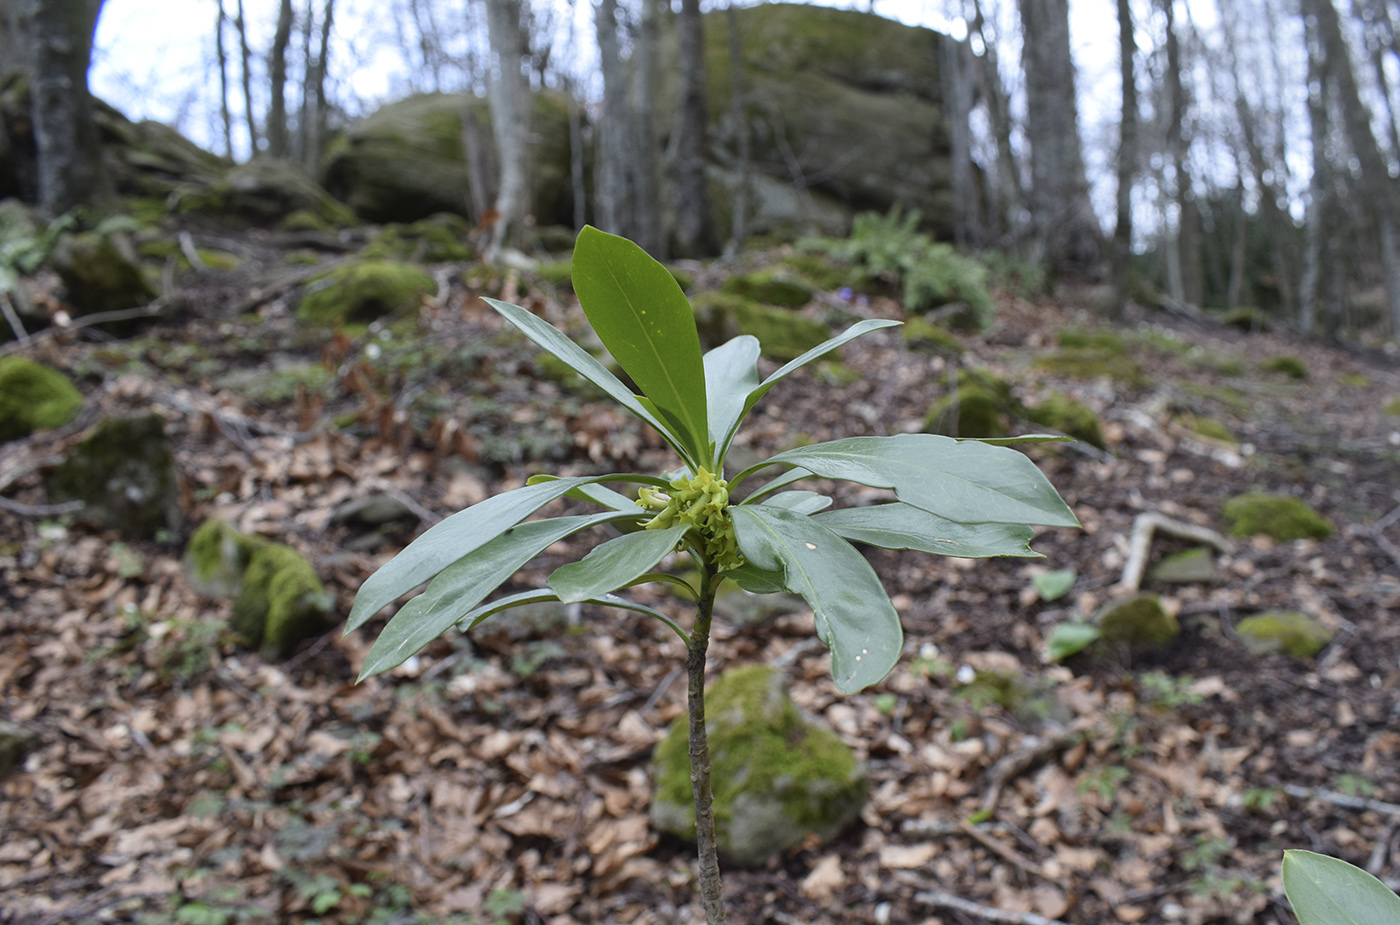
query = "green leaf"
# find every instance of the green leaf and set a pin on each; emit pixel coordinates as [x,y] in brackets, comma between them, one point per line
[1051,586]
[854,616]
[964,481]
[756,580]
[541,595]
[1327,891]
[731,375]
[606,497]
[1069,638]
[903,526]
[644,319]
[614,564]
[555,342]
[767,488]
[803,502]
[465,583]
[450,540]
[817,352]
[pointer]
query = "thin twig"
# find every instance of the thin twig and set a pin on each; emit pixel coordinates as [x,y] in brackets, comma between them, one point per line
[1344,800]
[1141,542]
[40,510]
[1034,751]
[1005,853]
[191,252]
[7,308]
[940,900]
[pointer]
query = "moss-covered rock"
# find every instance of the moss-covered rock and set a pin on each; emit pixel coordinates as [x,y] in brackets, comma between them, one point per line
[1209,428]
[439,238]
[1072,418]
[1139,622]
[216,557]
[973,412]
[1075,339]
[265,191]
[784,334]
[124,473]
[1286,631]
[1247,319]
[1393,406]
[1094,363]
[770,288]
[34,397]
[1288,365]
[922,334]
[1282,517]
[822,271]
[1190,566]
[100,273]
[281,602]
[363,292]
[779,779]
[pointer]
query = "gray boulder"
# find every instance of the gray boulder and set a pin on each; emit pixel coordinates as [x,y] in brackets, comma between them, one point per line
[124,473]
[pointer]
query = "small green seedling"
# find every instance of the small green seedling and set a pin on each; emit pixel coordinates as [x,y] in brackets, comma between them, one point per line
[967,498]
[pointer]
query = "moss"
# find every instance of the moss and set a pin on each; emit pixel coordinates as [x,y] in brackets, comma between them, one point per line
[1214,362]
[1282,517]
[1288,364]
[783,334]
[770,288]
[124,473]
[1354,381]
[34,397]
[979,414]
[363,292]
[1392,406]
[216,557]
[282,601]
[306,220]
[1247,319]
[557,273]
[1286,631]
[1106,341]
[278,386]
[921,334]
[1094,363]
[1138,622]
[1209,428]
[778,779]
[99,274]
[1069,417]
[822,271]
[1187,567]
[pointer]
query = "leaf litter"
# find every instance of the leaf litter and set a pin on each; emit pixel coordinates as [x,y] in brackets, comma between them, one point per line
[504,777]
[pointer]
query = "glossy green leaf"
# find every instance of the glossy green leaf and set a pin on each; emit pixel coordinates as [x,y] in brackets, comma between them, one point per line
[731,375]
[1328,891]
[450,540]
[854,616]
[543,595]
[466,583]
[963,481]
[903,526]
[1051,586]
[644,319]
[756,580]
[607,498]
[1070,638]
[614,564]
[774,484]
[803,502]
[556,343]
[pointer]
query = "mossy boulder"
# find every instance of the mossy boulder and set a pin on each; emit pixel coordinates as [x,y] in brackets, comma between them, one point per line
[439,238]
[1139,622]
[784,334]
[1190,566]
[1286,631]
[922,334]
[1069,417]
[100,273]
[770,288]
[216,557]
[281,603]
[1094,363]
[34,397]
[973,412]
[406,160]
[1282,517]
[362,292]
[1288,365]
[779,779]
[266,191]
[124,473]
[1247,319]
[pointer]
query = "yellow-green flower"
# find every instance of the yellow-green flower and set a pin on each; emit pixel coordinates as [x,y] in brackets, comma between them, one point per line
[702,501]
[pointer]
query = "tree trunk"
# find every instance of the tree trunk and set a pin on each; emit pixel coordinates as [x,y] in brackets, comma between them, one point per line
[1127,159]
[955,71]
[246,53]
[738,229]
[612,208]
[1185,255]
[277,142]
[69,152]
[14,37]
[316,135]
[222,54]
[695,231]
[1011,198]
[646,193]
[509,98]
[1067,233]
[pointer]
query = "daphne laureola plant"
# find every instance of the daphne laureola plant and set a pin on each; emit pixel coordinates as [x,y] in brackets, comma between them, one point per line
[950,497]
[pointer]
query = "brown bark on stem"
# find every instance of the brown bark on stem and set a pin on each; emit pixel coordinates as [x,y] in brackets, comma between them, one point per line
[711,888]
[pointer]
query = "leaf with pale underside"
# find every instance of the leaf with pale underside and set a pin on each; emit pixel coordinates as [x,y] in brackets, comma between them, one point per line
[962,481]
[853,614]
[544,595]
[450,540]
[1328,891]
[731,375]
[803,502]
[903,526]
[614,564]
[466,583]
[644,319]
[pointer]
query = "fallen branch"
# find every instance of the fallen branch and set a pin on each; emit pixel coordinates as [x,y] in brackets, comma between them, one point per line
[1140,543]
[1344,800]
[940,900]
[7,308]
[1033,752]
[39,510]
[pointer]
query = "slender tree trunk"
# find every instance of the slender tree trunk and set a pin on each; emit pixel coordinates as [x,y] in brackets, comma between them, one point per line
[1318,269]
[1011,194]
[277,141]
[646,192]
[738,229]
[1185,257]
[247,58]
[14,38]
[695,230]
[305,113]
[479,173]
[1066,230]
[1127,159]
[711,892]
[222,53]
[69,151]
[1238,251]
[509,97]
[954,69]
[576,165]
[321,120]
[612,201]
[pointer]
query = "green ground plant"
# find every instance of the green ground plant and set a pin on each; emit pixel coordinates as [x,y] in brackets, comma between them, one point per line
[971,499]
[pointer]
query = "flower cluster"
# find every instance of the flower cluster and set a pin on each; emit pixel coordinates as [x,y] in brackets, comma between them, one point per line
[703,502]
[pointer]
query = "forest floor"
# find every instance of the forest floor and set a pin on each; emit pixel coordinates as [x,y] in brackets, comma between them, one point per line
[505,777]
